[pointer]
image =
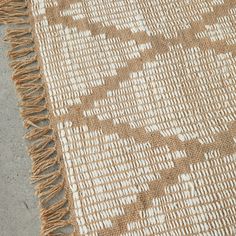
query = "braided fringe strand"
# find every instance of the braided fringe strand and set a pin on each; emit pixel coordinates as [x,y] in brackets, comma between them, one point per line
[47,168]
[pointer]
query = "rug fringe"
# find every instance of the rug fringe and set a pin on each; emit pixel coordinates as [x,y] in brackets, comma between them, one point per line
[47,169]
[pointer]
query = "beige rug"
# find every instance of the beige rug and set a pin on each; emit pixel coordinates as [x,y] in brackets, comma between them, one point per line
[131,109]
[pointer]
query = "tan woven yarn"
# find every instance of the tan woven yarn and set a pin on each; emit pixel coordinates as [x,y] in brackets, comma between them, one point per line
[130,107]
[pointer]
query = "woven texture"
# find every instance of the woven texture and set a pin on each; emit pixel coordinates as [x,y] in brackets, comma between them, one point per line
[141,97]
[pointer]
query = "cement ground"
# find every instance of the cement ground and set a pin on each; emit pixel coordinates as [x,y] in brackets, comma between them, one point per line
[19,215]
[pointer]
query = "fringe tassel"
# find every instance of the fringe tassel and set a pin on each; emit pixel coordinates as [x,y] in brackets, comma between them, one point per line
[34,120]
[57,208]
[52,214]
[47,169]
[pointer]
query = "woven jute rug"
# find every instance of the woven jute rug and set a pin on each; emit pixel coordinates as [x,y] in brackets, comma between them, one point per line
[130,107]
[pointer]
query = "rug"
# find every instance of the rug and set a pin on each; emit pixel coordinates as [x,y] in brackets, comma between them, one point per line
[130,107]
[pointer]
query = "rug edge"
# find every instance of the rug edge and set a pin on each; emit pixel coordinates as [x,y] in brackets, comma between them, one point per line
[48,171]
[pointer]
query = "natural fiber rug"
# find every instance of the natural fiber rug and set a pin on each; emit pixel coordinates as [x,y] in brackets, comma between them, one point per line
[131,109]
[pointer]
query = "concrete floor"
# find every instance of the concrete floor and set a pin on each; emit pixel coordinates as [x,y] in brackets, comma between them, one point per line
[18,205]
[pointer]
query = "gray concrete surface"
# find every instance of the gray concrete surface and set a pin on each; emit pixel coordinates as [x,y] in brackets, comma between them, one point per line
[18,204]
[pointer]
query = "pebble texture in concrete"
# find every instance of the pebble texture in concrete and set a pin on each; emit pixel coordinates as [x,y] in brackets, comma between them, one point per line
[19,215]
